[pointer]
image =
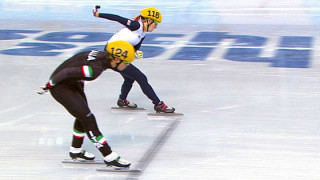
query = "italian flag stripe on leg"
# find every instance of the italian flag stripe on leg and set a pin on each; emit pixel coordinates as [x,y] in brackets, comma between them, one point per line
[78,134]
[102,140]
[86,71]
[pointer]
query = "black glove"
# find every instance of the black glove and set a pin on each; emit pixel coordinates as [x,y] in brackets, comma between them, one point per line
[45,89]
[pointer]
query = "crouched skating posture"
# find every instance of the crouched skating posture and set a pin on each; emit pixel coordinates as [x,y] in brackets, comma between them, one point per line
[134,32]
[66,85]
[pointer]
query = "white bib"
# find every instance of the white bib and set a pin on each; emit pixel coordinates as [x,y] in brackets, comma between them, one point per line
[125,34]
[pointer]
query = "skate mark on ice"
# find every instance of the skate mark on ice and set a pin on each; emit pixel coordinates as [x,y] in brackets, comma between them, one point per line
[154,148]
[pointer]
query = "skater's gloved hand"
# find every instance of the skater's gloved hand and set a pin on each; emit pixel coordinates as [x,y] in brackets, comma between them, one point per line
[139,54]
[95,11]
[45,89]
[42,90]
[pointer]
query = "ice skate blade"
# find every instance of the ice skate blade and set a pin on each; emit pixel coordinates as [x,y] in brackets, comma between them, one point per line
[165,114]
[119,169]
[82,161]
[128,108]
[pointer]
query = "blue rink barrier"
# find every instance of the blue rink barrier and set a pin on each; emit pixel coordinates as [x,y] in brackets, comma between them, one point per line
[291,52]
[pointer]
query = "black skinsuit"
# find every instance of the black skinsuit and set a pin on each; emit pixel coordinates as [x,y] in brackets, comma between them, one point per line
[68,91]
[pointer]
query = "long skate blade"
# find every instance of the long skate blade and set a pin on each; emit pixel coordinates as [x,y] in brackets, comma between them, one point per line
[128,108]
[82,161]
[116,169]
[165,114]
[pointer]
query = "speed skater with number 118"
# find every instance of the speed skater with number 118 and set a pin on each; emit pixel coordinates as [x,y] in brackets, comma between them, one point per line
[134,33]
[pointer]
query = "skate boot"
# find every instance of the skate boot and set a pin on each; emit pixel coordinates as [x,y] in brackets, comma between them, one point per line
[76,153]
[126,103]
[162,107]
[116,161]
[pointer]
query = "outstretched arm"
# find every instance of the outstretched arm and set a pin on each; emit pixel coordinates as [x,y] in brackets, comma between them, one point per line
[129,23]
[84,72]
[65,74]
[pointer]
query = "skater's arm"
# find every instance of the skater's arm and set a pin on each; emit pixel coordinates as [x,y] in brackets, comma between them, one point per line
[129,23]
[81,73]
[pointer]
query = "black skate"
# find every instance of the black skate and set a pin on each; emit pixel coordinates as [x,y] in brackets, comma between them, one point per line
[162,107]
[82,155]
[116,161]
[126,103]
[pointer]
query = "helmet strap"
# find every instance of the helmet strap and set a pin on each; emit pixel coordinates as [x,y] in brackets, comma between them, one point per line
[148,25]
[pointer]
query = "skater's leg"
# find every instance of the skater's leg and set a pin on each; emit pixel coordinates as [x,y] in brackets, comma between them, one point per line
[135,74]
[77,140]
[78,130]
[126,87]
[78,134]
[77,106]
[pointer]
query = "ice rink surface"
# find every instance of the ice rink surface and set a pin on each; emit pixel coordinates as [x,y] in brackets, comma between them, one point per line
[246,76]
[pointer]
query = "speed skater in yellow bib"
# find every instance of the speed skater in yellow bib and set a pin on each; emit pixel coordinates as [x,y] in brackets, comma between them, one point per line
[134,33]
[67,87]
